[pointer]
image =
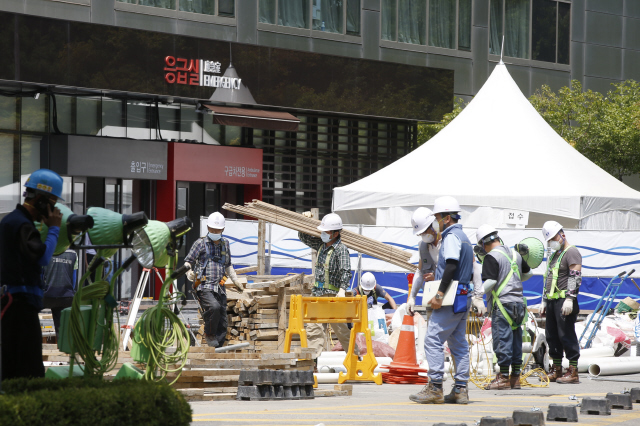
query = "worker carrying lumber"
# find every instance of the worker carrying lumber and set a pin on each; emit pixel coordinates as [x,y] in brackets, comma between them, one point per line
[211,257]
[422,224]
[449,323]
[563,277]
[370,288]
[332,277]
[22,256]
[503,271]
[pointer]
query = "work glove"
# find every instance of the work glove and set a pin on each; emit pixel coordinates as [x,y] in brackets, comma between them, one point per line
[307,214]
[567,306]
[478,304]
[543,308]
[191,276]
[340,293]
[523,249]
[411,305]
[238,285]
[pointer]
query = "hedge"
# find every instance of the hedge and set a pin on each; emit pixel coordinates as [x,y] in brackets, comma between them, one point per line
[92,402]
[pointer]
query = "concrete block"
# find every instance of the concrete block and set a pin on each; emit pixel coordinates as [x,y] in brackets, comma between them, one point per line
[278,392]
[248,377]
[305,377]
[562,412]
[291,392]
[496,421]
[635,395]
[278,377]
[265,377]
[528,418]
[306,391]
[597,406]
[621,401]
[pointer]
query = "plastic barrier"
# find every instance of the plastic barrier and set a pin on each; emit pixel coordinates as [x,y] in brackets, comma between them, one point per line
[336,310]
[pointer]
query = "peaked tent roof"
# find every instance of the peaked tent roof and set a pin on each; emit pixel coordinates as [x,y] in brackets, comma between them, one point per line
[499,152]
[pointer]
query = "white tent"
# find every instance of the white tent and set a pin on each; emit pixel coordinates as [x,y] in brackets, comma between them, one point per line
[497,156]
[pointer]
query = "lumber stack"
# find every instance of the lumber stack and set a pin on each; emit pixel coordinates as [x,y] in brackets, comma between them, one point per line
[270,213]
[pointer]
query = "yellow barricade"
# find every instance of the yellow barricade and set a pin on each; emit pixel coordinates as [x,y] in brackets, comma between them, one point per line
[336,310]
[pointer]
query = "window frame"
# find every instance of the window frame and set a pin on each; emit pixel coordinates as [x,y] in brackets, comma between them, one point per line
[426,48]
[179,14]
[529,61]
[310,32]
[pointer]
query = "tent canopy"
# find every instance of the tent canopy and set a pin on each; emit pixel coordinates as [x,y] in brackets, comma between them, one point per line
[499,153]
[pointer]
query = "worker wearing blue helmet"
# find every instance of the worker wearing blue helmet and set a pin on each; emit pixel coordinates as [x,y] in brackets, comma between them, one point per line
[22,256]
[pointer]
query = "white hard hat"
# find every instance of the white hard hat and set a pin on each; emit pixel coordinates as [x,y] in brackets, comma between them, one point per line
[216,221]
[550,229]
[330,222]
[368,281]
[421,219]
[446,204]
[484,231]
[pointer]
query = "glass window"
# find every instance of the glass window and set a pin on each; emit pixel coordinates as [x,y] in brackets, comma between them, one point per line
[211,201]
[516,27]
[66,191]
[169,122]
[543,31]
[442,23]
[8,113]
[353,17]
[212,132]
[389,19]
[495,25]
[165,4]
[88,116]
[64,113]
[29,154]
[226,8]
[206,7]
[113,119]
[138,123]
[267,13]
[34,113]
[190,123]
[293,13]
[327,15]
[464,25]
[412,21]
[232,135]
[8,166]
[564,32]
[78,198]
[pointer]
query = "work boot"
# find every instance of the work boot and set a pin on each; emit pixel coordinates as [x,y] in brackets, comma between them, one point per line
[555,372]
[428,395]
[458,395]
[514,381]
[211,341]
[571,376]
[499,383]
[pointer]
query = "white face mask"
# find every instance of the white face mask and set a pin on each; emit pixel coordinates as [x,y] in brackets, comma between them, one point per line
[555,245]
[366,292]
[325,237]
[214,237]
[427,238]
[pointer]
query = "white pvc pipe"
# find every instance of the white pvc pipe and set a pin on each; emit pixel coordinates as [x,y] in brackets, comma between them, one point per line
[615,366]
[327,377]
[584,363]
[333,354]
[602,352]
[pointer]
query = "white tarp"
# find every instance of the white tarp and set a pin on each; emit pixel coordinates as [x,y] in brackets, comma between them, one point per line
[499,153]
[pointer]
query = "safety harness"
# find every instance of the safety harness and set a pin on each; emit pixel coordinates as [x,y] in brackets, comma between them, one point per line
[201,276]
[496,299]
[326,284]
[554,292]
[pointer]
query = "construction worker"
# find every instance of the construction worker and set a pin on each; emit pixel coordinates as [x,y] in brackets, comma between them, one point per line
[449,323]
[563,277]
[503,271]
[422,225]
[332,277]
[60,279]
[22,256]
[370,288]
[210,260]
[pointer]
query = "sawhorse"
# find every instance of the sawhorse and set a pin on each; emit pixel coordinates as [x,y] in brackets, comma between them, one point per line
[336,310]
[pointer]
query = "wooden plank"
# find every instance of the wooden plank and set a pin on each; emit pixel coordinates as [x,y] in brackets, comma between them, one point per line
[282,317]
[261,246]
[246,270]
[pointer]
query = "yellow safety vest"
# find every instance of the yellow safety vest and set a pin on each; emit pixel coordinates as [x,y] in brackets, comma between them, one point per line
[554,292]
[326,283]
[496,300]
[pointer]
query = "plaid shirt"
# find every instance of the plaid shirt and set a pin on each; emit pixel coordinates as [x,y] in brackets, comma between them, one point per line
[339,264]
[215,269]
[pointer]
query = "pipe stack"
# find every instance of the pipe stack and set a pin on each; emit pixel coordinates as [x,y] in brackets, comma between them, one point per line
[270,213]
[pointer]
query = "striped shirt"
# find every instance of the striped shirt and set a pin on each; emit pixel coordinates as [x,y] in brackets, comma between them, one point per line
[339,264]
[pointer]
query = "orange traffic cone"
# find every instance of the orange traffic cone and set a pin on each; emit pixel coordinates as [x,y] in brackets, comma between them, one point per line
[404,368]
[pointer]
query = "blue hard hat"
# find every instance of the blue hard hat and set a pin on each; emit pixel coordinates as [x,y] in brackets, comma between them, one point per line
[47,181]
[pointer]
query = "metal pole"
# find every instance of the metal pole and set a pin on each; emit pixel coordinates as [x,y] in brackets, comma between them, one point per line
[268,263]
[232,347]
[359,259]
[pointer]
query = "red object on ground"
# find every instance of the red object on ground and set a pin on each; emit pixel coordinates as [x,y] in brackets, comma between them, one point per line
[379,349]
[405,368]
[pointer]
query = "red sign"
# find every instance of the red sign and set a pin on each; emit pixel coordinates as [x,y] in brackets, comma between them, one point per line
[220,164]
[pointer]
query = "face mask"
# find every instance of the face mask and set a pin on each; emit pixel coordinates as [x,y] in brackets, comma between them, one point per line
[325,237]
[366,292]
[427,238]
[214,237]
[555,245]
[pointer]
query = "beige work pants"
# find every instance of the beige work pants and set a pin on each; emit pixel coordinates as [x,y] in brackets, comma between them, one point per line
[316,336]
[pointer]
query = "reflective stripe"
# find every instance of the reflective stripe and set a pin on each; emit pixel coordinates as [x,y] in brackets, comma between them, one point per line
[554,292]
[407,328]
[496,298]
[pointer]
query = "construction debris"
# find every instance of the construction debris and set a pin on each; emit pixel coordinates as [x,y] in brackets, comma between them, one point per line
[270,213]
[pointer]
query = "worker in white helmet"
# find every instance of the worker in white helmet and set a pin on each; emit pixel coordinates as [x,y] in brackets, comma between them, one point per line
[332,277]
[370,288]
[503,271]
[563,277]
[210,261]
[449,323]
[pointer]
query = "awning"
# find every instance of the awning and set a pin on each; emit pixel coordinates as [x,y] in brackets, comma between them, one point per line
[259,119]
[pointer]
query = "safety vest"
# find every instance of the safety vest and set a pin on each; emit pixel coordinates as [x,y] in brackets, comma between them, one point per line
[496,294]
[554,292]
[326,283]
